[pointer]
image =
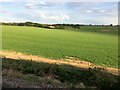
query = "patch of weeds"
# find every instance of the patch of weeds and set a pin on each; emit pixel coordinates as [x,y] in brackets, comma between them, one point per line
[67,75]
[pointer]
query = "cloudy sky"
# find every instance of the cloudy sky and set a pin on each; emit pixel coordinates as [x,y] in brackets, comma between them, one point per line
[60,12]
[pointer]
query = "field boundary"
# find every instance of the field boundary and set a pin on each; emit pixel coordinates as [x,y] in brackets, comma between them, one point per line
[70,61]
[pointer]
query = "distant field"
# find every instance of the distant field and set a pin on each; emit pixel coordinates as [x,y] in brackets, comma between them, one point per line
[98,48]
[97,29]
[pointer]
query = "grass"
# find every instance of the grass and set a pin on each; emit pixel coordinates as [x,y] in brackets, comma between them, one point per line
[98,48]
[65,75]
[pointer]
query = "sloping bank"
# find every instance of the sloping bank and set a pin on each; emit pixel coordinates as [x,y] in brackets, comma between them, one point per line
[24,71]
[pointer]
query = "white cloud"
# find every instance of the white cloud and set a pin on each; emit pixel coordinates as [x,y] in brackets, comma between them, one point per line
[30,5]
[103,11]
[88,11]
[42,3]
[61,17]
[60,0]
[5,0]
[11,19]
[107,20]
[42,15]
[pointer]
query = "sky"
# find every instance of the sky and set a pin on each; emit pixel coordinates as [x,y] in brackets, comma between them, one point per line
[60,12]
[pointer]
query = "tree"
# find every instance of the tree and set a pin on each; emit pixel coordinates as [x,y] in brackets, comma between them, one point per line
[29,23]
[111,24]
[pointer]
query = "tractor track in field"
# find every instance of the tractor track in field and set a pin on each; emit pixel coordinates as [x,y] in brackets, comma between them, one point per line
[69,61]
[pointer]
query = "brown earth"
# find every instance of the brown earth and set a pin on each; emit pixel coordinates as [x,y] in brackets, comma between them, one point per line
[20,83]
[105,30]
[68,61]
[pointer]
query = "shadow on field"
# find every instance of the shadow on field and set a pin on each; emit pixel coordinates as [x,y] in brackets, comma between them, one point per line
[65,73]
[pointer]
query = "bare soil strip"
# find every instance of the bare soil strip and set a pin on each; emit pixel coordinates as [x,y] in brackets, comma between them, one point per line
[75,63]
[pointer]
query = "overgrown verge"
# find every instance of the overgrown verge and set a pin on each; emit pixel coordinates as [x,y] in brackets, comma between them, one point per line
[66,75]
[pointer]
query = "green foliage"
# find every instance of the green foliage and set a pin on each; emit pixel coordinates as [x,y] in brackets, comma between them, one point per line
[98,48]
[65,73]
[96,29]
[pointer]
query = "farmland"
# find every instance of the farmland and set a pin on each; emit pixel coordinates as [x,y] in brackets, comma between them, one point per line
[96,45]
[71,45]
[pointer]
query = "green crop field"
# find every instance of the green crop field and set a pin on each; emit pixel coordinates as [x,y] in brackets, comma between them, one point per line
[98,48]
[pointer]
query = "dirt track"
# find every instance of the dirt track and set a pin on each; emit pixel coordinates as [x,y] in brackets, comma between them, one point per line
[75,63]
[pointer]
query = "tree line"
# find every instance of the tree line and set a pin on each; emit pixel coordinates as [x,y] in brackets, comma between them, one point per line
[50,26]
